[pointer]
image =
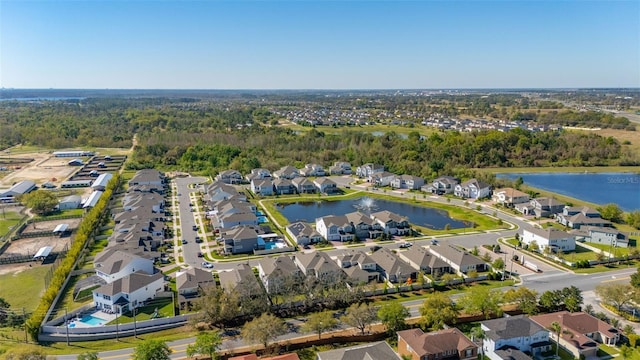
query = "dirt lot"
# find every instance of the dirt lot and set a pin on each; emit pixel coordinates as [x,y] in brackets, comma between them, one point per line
[18,268]
[29,246]
[50,225]
[44,168]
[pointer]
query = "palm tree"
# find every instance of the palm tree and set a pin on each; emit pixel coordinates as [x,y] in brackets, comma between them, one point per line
[478,333]
[557,329]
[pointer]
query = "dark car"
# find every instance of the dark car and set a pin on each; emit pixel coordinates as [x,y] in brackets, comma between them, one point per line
[198,240]
[184,241]
[200,254]
[195,227]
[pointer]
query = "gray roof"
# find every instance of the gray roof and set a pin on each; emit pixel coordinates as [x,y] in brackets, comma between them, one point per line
[302,229]
[193,278]
[93,199]
[423,258]
[373,351]
[511,327]
[512,354]
[391,263]
[112,260]
[550,233]
[385,216]
[280,266]
[241,274]
[318,261]
[23,187]
[476,183]
[102,180]
[72,199]
[129,283]
[457,255]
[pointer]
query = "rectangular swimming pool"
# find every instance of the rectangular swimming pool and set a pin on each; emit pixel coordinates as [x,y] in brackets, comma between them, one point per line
[92,320]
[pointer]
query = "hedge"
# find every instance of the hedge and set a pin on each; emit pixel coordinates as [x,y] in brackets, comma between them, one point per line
[83,234]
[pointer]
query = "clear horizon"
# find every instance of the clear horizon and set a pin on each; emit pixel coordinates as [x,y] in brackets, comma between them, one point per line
[319,45]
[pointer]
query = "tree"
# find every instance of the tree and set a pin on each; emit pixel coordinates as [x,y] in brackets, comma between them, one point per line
[4,307]
[360,316]
[572,298]
[616,295]
[498,264]
[207,343]
[217,307]
[527,299]
[478,333]
[635,279]
[89,355]
[625,351]
[263,329]
[481,300]
[438,310]
[41,202]
[518,183]
[633,219]
[557,329]
[551,300]
[320,322]
[152,349]
[611,212]
[393,316]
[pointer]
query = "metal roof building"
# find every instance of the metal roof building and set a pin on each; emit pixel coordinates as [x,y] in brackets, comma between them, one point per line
[102,181]
[72,153]
[43,253]
[17,189]
[92,200]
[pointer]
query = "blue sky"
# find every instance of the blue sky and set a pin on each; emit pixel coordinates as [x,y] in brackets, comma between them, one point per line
[319,44]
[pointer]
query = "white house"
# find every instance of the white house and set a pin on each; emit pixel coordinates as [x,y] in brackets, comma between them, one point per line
[407,182]
[263,187]
[312,170]
[325,185]
[70,202]
[553,238]
[112,264]
[472,189]
[382,178]
[368,169]
[303,233]
[335,228]
[129,292]
[518,332]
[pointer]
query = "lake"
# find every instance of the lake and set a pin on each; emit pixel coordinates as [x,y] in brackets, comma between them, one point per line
[600,188]
[421,216]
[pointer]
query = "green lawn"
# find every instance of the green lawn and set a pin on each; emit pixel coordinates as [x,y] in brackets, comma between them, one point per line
[568,169]
[8,219]
[97,246]
[69,212]
[22,289]
[163,305]
[581,253]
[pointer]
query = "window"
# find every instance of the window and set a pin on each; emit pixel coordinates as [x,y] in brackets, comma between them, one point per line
[106,297]
[469,352]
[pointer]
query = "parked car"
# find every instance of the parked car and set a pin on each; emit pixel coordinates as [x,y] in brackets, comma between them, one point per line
[195,227]
[405,245]
[200,254]
[206,264]
[184,241]
[434,242]
[198,240]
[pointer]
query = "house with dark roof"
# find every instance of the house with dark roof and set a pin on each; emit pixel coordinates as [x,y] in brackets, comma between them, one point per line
[283,187]
[364,226]
[444,344]
[340,168]
[581,333]
[312,170]
[258,174]
[358,266]
[459,259]
[423,260]
[129,292]
[383,178]
[514,332]
[603,235]
[303,233]
[577,216]
[147,177]
[391,268]
[278,274]
[553,238]
[194,281]
[373,351]
[241,239]
[472,189]
[544,207]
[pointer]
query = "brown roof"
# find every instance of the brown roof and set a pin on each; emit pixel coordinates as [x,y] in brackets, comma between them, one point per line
[577,325]
[436,342]
[292,356]
[245,357]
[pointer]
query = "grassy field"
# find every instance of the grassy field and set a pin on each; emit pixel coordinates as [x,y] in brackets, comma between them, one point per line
[377,128]
[617,251]
[580,254]
[8,220]
[22,289]
[621,135]
[163,305]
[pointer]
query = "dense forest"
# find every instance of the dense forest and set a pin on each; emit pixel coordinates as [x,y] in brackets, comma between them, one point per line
[208,135]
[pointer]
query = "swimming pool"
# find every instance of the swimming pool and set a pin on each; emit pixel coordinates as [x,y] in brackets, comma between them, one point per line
[92,320]
[259,213]
[262,219]
[268,245]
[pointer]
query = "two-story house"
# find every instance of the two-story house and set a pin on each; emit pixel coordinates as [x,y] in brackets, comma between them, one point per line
[472,189]
[410,182]
[553,238]
[325,185]
[286,172]
[517,332]
[510,197]
[112,264]
[458,259]
[423,260]
[391,223]
[128,292]
[312,170]
[283,187]
[546,206]
[577,216]
[240,239]
[358,266]
[366,170]
[391,268]
[380,179]
[229,177]
[262,187]
[303,233]
[335,228]
[437,345]
[320,265]
[304,185]
[442,185]
[340,168]
[258,174]
[279,274]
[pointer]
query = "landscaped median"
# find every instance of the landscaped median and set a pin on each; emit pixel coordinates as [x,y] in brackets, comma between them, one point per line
[89,223]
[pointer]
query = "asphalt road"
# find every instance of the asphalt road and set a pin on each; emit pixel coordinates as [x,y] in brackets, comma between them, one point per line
[550,279]
[187,220]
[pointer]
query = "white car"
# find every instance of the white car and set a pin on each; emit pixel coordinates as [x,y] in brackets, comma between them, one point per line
[206,264]
[405,245]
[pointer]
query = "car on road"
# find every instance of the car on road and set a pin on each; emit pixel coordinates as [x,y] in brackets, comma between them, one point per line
[207,265]
[184,241]
[198,239]
[200,254]
[434,242]
[194,227]
[405,245]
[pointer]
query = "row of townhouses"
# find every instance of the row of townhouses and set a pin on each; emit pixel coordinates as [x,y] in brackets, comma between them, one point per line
[125,268]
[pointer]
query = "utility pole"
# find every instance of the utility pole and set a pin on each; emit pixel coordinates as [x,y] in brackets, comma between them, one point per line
[66,325]
[135,329]
[117,311]
[24,320]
